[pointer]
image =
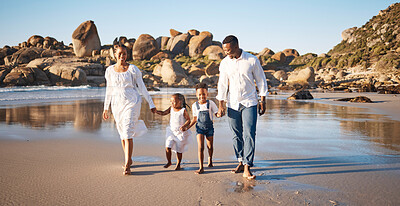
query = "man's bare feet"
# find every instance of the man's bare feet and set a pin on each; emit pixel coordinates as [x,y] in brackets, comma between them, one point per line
[178,167]
[247,173]
[238,169]
[167,165]
[199,171]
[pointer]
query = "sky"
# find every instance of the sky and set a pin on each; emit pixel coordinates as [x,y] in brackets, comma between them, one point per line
[305,25]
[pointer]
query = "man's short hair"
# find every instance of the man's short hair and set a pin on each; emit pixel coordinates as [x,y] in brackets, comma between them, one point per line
[201,86]
[231,40]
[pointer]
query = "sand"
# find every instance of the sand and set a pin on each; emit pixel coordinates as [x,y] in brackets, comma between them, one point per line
[86,171]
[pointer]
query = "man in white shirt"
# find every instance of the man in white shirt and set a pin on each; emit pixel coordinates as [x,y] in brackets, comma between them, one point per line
[238,72]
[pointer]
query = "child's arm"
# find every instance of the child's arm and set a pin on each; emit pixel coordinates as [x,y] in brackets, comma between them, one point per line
[184,126]
[165,112]
[193,122]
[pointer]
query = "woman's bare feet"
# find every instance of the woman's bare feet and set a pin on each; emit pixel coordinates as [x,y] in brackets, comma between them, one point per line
[247,173]
[199,171]
[178,167]
[127,171]
[210,163]
[167,165]
[238,169]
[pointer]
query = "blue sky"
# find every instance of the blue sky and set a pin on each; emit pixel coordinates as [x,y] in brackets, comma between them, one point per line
[308,26]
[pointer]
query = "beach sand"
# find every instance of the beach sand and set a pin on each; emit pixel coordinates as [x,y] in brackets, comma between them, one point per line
[87,171]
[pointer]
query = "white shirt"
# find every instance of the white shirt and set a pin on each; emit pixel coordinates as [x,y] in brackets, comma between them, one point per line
[203,107]
[236,81]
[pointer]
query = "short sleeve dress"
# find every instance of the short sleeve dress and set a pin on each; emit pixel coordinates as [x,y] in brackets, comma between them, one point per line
[176,139]
[123,94]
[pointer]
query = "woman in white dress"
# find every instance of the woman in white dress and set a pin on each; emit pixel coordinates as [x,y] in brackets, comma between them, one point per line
[124,86]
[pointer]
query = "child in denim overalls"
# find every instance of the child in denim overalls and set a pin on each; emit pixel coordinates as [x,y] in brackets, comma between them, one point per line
[203,111]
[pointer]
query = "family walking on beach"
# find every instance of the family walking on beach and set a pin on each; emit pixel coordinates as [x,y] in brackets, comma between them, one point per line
[239,71]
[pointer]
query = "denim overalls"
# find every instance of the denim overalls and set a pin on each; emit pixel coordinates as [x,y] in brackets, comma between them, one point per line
[204,123]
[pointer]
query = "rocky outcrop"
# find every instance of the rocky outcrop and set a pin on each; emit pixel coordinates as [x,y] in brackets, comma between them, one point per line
[162,42]
[359,99]
[35,41]
[193,32]
[172,72]
[24,56]
[280,57]
[197,44]
[66,74]
[174,32]
[145,47]
[22,76]
[304,76]
[214,52]
[85,39]
[179,43]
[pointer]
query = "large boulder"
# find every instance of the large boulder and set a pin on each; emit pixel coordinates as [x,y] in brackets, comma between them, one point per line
[197,44]
[145,47]
[280,56]
[174,32]
[212,69]
[265,52]
[85,39]
[214,52]
[161,56]
[66,74]
[35,40]
[207,33]
[291,52]
[302,94]
[280,75]
[193,32]
[347,34]
[6,51]
[172,72]
[24,56]
[179,43]
[162,42]
[196,71]
[26,76]
[304,76]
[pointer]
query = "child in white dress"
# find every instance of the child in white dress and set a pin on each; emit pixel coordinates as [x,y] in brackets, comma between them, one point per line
[177,135]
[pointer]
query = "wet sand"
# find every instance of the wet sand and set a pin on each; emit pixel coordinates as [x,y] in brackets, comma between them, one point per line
[293,168]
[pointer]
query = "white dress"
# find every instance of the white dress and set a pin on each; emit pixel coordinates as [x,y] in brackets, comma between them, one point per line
[123,93]
[176,139]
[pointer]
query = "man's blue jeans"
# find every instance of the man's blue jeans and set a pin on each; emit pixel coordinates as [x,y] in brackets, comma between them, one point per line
[243,124]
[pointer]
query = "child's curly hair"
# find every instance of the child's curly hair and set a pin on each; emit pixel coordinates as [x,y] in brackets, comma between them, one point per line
[182,99]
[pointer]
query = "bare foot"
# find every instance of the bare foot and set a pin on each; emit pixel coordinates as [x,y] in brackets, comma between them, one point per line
[167,165]
[247,173]
[238,169]
[178,167]
[200,171]
[210,164]
[127,171]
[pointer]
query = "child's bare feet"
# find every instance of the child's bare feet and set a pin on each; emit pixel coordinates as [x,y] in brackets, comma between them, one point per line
[127,171]
[178,167]
[167,165]
[199,171]
[238,169]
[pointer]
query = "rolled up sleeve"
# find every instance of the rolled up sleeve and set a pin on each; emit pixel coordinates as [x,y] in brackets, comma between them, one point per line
[222,84]
[261,81]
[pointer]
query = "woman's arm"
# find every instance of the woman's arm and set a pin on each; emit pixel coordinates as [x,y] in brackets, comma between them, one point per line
[165,112]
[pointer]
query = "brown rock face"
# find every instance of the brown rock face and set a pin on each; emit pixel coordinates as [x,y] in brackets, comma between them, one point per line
[162,42]
[25,77]
[291,52]
[197,44]
[193,32]
[359,99]
[174,32]
[302,94]
[35,40]
[24,56]
[214,52]
[266,52]
[179,43]
[145,47]
[172,72]
[207,33]
[280,56]
[85,39]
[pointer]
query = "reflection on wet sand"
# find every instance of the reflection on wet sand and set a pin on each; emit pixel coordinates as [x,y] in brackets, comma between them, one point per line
[85,115]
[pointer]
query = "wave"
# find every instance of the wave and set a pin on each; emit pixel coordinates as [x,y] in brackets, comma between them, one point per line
[41,88]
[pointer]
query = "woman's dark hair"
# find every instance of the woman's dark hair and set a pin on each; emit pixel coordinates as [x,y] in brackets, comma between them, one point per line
[182,99]
[201,86]
[231,40]
[120,45]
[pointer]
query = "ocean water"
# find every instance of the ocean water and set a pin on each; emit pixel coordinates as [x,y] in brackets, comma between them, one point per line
[290,127]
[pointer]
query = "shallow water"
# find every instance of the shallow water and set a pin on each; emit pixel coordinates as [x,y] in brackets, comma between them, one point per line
[290,127]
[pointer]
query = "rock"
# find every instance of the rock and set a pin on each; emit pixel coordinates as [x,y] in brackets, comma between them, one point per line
[162,42]
[280,56]
[193,32]
[25,77]
[157,70]
[281,75]
[6,51]
[265,52]
[347,34]
[207,33]
[301,94]
[179,43]
[323,55]
[172,72]
[145,47]
[196,71]
[66,75]
[85,39]
[50,53]
[24,56]
[212,69]
[341,74]
[35,40]
[161,56]
[197,44]
[3,74]
[304,76]
[206,80]
[291,52]
[174,32]
[214,52]
[359,99]
[384,78]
